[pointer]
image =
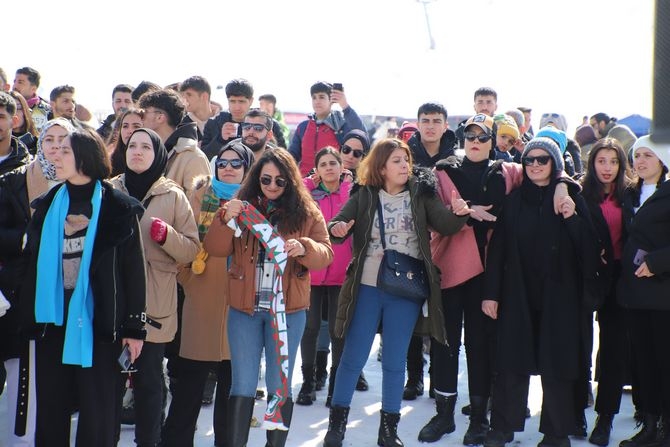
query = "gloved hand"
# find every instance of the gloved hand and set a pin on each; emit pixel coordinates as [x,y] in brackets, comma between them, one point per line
[159,230]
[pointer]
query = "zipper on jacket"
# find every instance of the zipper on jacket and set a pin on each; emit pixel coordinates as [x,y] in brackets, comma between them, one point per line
[115,297]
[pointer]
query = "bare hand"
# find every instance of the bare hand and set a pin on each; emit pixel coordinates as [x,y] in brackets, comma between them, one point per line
[490,308]
[458,206]
[338,96]
[560,193]
[316,178]
[341,229]
[643,271]
[480,213]
[567,207]
[134,347]
[229,131]
[294,248]
[232,209]
[347,175]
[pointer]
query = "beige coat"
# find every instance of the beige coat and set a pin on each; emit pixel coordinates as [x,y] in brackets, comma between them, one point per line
[204,334]
[168,203]
[186,162]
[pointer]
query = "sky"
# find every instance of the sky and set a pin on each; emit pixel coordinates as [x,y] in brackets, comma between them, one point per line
[573,57]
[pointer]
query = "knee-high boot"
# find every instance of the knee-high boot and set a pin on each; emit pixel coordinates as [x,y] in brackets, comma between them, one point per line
[240,410]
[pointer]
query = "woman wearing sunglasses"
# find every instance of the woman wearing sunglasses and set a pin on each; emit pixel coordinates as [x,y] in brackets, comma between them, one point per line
[408,203]
[169,238]
[274,188]
[356,145]
[536,267]
[204,338]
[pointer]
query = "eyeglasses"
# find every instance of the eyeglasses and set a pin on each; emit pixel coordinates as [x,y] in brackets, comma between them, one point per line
[236,163]
[255,126]
[348,150]
[267,181]
[482,137]
[540,159]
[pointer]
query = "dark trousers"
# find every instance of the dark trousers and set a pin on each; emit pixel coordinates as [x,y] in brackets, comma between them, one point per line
[650,332]
[149,391]
[61,389]
[462,305]
[320,296]
[613,356]
[510,399]
[180,425]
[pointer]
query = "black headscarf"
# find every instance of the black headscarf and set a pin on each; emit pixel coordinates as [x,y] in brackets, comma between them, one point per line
[138,184]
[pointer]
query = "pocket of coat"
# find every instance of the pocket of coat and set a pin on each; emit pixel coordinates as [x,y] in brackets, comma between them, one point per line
[235,272]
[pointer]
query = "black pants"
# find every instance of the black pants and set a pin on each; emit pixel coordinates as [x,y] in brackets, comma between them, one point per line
[149,391]
[63,388]
[180,425]
[650,332]
[613,356]
[510,399]
[320,296]
[462,305]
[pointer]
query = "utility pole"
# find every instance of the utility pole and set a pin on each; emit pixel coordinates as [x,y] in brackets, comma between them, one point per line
[430,32]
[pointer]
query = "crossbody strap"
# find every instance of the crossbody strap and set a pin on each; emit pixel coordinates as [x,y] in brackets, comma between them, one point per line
[380,216]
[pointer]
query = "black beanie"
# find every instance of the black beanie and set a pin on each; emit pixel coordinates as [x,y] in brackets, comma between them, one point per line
[360,136]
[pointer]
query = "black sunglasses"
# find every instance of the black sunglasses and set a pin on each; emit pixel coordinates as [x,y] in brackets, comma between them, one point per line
[541,160]
[347,150]
[267,181]
[482,137]
[222,163]
[255,126]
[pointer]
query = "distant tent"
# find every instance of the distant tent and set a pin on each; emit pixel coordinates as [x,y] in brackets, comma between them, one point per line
[639,124]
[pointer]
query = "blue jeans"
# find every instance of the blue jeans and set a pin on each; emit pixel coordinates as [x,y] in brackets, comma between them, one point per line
[247,336]
[398,317]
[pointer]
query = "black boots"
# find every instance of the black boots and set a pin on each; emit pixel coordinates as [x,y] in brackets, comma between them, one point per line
[554,441]
[240,410]
[498,438]
[443,422]
[321,374]
[388,430]
[413,387]
[646,437]
[362,383]
[307,394]
[277,438]
[601,432]
[479,423]
[337,425]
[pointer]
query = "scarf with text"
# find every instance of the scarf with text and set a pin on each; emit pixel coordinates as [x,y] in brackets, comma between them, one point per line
[260,227]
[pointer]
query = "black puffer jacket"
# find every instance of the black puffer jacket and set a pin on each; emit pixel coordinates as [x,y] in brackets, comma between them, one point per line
[18,156]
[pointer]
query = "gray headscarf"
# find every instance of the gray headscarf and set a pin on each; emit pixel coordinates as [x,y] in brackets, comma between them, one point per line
[48,169]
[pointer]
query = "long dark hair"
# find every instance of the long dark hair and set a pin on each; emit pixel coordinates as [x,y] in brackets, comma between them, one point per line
[28,124]
[593,189]
[295,204]
[118,157]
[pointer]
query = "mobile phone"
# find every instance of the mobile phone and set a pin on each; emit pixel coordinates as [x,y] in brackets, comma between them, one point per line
[639,257]
[338,86]
[124,359]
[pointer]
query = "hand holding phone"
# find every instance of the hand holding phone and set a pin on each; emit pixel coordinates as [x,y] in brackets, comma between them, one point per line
[338,86]
[639,257]
[124,360]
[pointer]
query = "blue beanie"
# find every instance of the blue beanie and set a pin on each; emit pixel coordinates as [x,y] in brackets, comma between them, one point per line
[559,137]
[550,147]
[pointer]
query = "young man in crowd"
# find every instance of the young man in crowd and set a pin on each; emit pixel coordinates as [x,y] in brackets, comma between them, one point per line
[122,100]
[26,82]
[433,141]
[196,93]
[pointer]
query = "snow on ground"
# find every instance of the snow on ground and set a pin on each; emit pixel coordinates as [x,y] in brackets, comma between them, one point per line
[311,422]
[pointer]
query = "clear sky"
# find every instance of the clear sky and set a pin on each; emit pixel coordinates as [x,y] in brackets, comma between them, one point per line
[575,57]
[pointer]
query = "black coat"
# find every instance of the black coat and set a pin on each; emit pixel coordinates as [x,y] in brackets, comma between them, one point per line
[648,230]
[558,343]
[421,157]
[117,268]
[18,156]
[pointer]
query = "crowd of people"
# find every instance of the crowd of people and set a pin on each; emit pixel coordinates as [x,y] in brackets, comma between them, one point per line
[215,238]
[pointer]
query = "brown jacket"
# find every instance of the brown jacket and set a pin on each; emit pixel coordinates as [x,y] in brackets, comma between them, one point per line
[185,163]
[168,203]
[242,285]
[204,334]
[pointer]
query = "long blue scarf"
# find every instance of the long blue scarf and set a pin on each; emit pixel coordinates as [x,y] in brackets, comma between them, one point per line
[50,295]
[224,191]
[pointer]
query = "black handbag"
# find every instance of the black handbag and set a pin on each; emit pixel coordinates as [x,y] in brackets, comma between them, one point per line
[401,274]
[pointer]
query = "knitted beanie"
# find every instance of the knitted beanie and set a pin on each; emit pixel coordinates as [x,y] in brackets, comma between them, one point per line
[559,137]
[550,147]
[662,151]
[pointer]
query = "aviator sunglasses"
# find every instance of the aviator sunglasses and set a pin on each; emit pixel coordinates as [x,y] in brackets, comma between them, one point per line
[255,126]
[235,164]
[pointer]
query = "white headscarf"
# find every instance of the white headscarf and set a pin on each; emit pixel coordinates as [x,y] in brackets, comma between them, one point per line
[48,169]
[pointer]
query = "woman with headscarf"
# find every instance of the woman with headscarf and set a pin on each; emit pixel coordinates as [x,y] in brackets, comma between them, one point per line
[204,338]
[83,295]
[169,238]
[18,189]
